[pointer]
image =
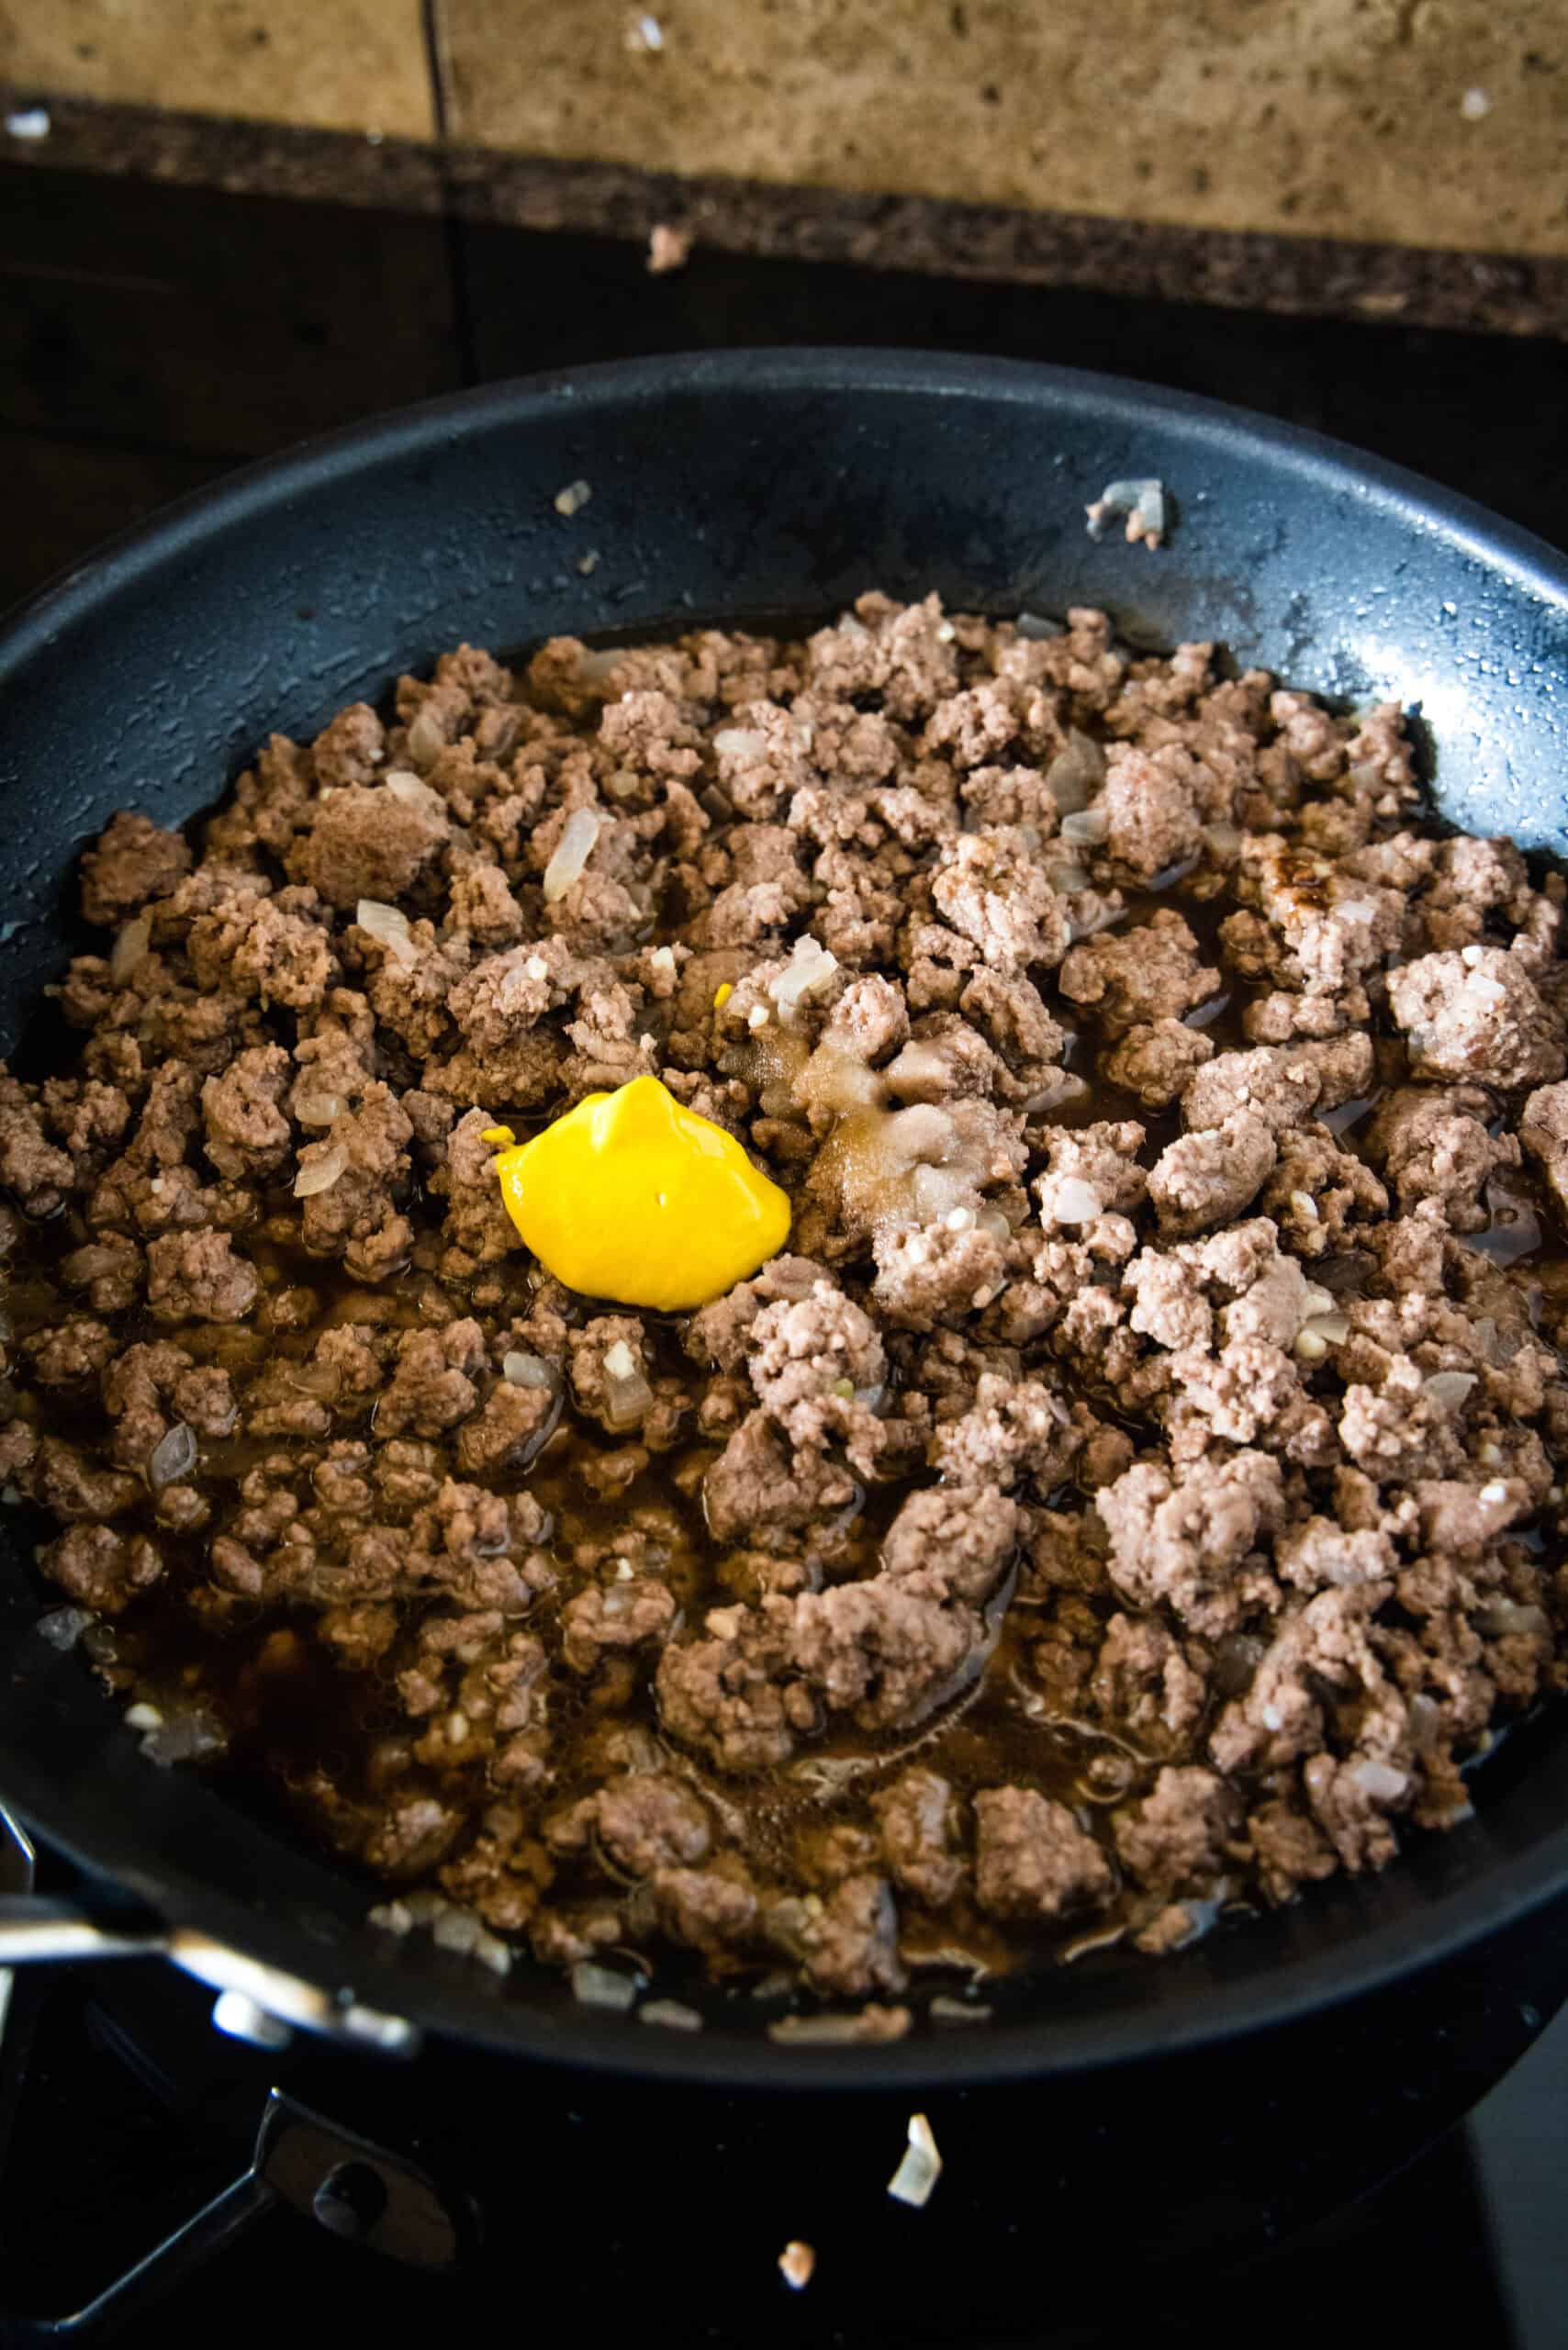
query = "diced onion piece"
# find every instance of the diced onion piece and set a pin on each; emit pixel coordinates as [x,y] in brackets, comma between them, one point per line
[627,1394]
[173,1456]
[620,1362]
[1332,1329]
[1076,773]
[1070,1200]
[131,947]
[318,1109]
[796,2263]
[602,1986]
[674,2014]
[1224,839]
[943,2009]
[740,743]
[1449,1387]
[1356,909]
[182,1737]
[404,785]
[572,852]
[1035,629]
[1380,1781]
[1067,880]
[809,970]
[920,2168]
[389,924]
[1500,1617]
[322,1171]
[1085,827]
[427,738]
[527,1371]
[64,1627]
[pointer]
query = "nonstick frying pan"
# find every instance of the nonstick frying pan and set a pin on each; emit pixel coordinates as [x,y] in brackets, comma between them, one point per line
[727,487]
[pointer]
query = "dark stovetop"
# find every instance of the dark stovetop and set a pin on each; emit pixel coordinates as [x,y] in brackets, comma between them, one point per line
[151,339]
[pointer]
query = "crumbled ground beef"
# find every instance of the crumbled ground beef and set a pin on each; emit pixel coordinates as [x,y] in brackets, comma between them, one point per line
[1131,1496]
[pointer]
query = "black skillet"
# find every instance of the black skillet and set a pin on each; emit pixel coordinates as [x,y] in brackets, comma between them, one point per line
[736,485]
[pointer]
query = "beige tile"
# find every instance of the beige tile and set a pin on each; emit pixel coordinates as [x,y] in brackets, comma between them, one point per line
[1341,117]
[337,64]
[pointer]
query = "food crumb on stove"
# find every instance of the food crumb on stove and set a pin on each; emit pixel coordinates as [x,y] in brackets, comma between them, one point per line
[644,35]
[944,2008]
[28,122]
[1475,104]
[143,1717]
[588,564]
[920,2168]
[796,2263]
[668,248]
[572,498]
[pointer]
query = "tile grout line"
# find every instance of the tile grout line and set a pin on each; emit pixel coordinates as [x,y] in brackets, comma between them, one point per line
[438,70]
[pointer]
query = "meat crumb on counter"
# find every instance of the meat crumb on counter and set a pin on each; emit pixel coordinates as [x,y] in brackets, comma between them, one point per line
[1133,1493]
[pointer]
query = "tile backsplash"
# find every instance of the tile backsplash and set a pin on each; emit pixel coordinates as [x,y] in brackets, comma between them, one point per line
[1412,123]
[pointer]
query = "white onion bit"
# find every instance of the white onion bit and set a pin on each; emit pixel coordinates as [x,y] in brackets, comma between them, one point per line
[920,2168]
[406,787]
[1086,827]
[1070,1200]
[1076,773]
[1449,1387]
[322,1171]
[572,852]
[389,924]
[131,947]
[527,1371]
[173,1457]
[796,2263]
[427,739]
[600,1986]
[674,2014]
[318,1109]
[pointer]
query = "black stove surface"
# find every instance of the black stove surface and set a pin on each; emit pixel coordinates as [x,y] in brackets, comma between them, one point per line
[1260,2186]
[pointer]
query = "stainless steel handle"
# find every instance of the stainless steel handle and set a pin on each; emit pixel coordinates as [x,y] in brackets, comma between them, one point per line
[35,1930]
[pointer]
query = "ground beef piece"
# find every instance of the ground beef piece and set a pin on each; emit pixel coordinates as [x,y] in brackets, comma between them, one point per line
[275,948]
[1191,1541]
[1278,1088]
[1144,1680]
[599,1623]
[412,1837]
[1319,1553]
[1475,1014]
[247,1131]
[642,1823]
[704,1910]
[1351,1801]
[1091,1171]
[720,1334]
[1287,1850]
[432,1387]
[1015,1430]
[917,1818]
[30,1167]
[937,1273]
[477,1226]
[74,1351]
[110,1271]
[357,1216]
[1203,1178]
[884,1649]
[730,1692]
[1149,972]
[1155,1061]
[993,889]
[1322,1645]
[1435,1145]
[760,1491]
[1318,1193]
[1398,1430]
[848,1944]
[1177,1835]
[196,1277]
[349,748]
[367,843]
[1149,803]
[505,1435]
[1543,1130]
[133,861]
[482,904]
[100,1569]
[1032,1859]
[956,1539]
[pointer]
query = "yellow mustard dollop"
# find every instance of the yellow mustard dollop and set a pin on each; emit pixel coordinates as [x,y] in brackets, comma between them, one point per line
[631,1197]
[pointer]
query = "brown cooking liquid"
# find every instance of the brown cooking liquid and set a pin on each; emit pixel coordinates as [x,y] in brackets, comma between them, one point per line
[288,1707]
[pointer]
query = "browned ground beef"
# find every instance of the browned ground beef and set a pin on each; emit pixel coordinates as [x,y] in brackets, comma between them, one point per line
[1133,1493]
